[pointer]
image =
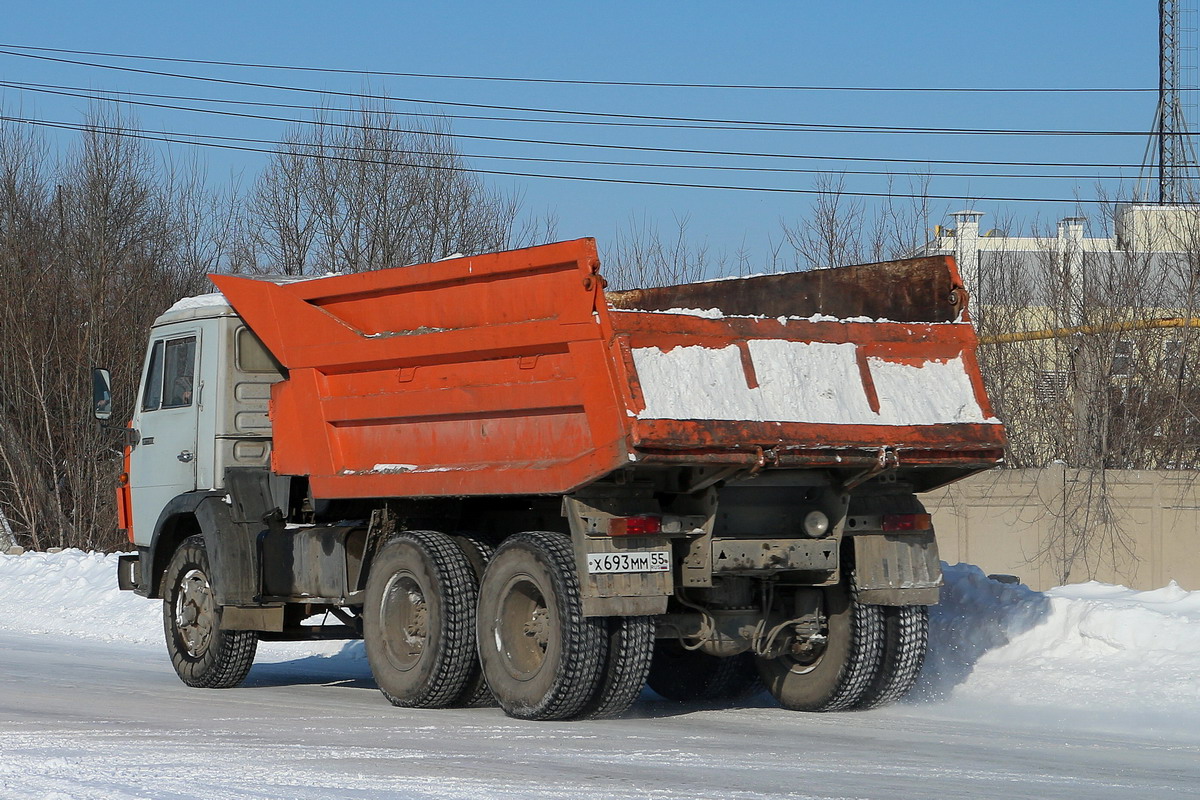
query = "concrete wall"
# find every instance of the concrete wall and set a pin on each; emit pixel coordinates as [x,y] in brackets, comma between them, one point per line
[1137,528]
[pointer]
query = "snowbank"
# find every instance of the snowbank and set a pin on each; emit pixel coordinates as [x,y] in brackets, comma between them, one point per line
[1085,646]
[75,594]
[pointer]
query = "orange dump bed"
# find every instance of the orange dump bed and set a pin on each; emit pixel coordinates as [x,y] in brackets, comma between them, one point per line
[516,373]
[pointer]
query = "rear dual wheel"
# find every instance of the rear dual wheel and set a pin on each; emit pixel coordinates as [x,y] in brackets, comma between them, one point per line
[419,620]
[542,658]
[836,676]
[872,656]
[905,640]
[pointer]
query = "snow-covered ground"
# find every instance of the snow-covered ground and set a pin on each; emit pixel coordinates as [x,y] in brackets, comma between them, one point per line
[1087,690]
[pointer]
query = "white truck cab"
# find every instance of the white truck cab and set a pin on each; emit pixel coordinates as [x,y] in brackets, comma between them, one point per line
[201,407]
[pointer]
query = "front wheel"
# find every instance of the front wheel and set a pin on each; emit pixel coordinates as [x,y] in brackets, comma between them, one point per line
[841,673]
[203,655]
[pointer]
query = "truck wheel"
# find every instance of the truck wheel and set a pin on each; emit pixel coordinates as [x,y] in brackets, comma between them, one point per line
[541,657]
[840,675]
[906,636]
[630,649]
[203,655]
[684,675]
[478,550]
[419,619]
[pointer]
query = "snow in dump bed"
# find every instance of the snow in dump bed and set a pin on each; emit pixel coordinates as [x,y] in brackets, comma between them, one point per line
[1086,646]
[716,313]
[817,382]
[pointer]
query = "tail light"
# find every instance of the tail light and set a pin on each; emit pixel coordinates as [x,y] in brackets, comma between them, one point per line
[634,526]
[907,522]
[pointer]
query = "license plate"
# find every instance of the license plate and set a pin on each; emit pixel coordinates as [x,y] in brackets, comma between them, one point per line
[654,561]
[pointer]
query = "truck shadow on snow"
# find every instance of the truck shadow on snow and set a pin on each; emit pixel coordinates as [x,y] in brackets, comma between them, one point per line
[346,668]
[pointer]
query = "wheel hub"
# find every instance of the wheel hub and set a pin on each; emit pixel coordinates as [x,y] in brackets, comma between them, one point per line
[404,612]
[195,612]
[523,628]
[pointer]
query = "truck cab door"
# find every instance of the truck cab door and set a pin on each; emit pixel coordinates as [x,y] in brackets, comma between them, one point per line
[163,463]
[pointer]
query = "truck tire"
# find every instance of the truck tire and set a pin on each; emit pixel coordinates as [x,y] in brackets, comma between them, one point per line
[419,619]
[541,657]
[478,550]
[906,636]
[685,675]
[630,650]
[202,654]
[842,673]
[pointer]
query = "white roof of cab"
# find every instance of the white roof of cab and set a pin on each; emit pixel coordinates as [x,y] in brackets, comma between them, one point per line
[213,304]
[204,306]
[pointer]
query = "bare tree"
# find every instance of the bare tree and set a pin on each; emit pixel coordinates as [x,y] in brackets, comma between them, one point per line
[841,229]
[640,255]
[366,193]
[91,248]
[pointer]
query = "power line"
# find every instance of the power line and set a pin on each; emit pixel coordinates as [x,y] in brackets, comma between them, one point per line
[394,112]
[596,145]
[582,178]
[572,161]
[90,93]
[798,126]
[577,82]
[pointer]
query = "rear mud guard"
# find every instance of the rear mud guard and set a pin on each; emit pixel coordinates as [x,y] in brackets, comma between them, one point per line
[897,569]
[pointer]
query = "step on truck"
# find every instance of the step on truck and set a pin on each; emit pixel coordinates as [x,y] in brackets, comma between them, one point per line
[517,487]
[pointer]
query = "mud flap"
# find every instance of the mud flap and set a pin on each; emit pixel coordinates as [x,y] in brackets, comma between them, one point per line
[897,569]
[629,576]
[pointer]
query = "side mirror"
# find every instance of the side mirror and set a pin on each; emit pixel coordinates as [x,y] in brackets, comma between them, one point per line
[101,393]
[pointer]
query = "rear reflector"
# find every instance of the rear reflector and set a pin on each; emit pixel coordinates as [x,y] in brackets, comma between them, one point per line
[634,526]
[907,522]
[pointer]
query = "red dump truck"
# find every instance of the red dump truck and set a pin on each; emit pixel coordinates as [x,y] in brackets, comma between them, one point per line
[517,487]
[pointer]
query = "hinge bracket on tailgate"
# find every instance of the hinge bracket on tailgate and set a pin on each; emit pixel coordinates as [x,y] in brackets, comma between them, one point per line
[887,461]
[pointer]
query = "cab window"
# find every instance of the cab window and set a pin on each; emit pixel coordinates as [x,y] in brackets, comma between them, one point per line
[170,377]
[252,356]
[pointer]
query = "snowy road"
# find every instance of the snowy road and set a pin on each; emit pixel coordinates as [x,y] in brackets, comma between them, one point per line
[1088,691]
[86,719]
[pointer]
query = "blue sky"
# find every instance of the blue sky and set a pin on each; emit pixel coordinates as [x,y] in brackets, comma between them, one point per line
[1108,44]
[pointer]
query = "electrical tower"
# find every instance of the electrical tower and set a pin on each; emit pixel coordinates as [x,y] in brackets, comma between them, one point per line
[1170,149]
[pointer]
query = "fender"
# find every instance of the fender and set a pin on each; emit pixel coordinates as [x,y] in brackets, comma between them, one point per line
[231,522]
[172,527]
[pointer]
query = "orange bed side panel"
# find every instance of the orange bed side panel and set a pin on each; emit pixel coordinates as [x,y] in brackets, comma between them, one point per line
[479,375]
